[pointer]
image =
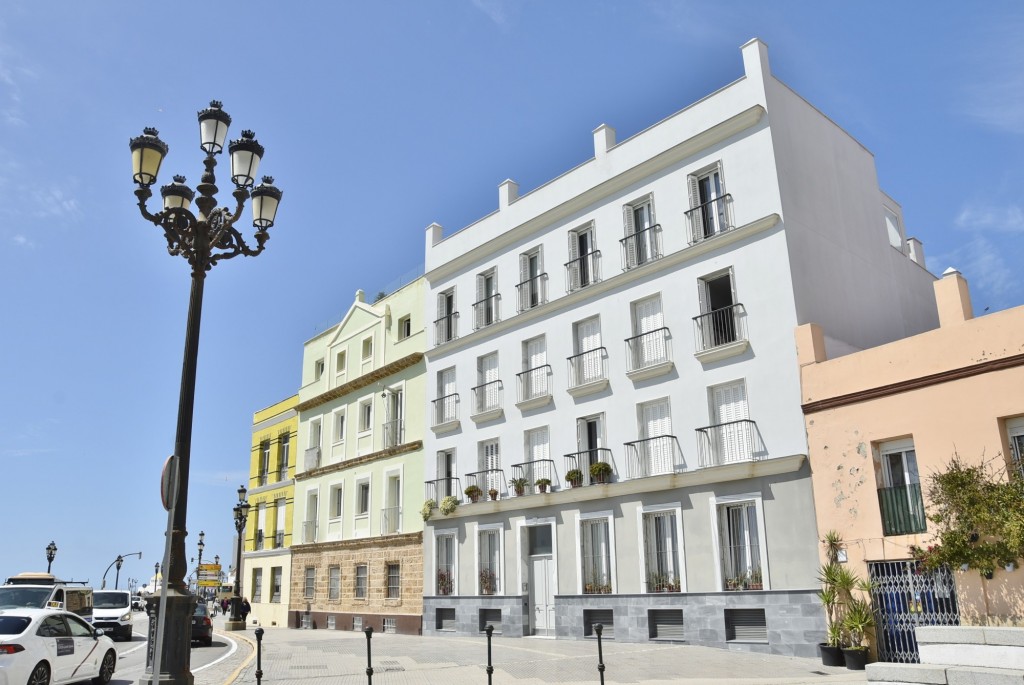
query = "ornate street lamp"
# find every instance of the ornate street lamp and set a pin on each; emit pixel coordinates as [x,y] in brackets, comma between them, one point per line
[203,238]
[241,512]
[117,562]
[51,552]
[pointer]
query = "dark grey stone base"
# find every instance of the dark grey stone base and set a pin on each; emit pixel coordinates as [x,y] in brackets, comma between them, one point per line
[471,615]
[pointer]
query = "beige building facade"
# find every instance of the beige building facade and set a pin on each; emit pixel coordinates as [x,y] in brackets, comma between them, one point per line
[881,420]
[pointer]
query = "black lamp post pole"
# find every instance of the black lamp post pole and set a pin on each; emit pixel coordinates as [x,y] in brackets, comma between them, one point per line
[241,510]
[51,552]
[117,574]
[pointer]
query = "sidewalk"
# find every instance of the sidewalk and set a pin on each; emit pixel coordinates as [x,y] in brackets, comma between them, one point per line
[330,657]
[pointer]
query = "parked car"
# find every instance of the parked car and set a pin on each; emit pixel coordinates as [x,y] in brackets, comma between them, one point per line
[138,603]
[202,626]
[112,611]
[43,646]
[45,591]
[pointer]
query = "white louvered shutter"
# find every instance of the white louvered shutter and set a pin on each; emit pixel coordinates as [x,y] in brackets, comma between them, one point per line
[525,285]
[588,339]
[696,216]
[657,421]
[480,307]
[630,228]
[647,318]
[573,274]
[535,357]
[730,403]
[490,460]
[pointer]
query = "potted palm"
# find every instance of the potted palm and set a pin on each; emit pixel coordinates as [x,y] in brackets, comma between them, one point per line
[600,471]
[518,486]
[474,493]
[858,619]
[542,484]
[574,477]
[493,493]
[754,581]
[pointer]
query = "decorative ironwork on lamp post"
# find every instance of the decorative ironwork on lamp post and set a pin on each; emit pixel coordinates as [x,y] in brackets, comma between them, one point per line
[199,566]
[203,238]
[51,552]
[241,512]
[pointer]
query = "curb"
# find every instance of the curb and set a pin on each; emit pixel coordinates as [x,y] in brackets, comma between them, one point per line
[240,634]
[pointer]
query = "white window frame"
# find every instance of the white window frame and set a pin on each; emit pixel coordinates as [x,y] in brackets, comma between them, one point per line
[629,229]
[308,589]
[355,581]
[316,430]
[454,534]
[319,368]
[367,429]
[335,415]
[901,447]
[609,517]
[363,357]
[892,221]
[336,501]
[333,588]
[669,507]
[341,362]
[522,554]
[715,503]
[489,528]
[404,327]
[387,579]
[359,484]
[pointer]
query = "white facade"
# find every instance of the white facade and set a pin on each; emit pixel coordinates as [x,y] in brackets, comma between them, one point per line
[660,341]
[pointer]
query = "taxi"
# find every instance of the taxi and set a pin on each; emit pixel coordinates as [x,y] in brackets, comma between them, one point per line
[44,646]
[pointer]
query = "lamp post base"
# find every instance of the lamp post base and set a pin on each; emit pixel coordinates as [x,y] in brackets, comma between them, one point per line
[234,625]
[175,657]
[235,620]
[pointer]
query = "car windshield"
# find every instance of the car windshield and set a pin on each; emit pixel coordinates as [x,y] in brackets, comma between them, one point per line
[13,625]
[13,596]
[200,610]
[110,600]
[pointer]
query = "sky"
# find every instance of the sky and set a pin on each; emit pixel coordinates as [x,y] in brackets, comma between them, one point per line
[378,119]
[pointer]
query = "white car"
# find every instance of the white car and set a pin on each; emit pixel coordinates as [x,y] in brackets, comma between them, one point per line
[44,646]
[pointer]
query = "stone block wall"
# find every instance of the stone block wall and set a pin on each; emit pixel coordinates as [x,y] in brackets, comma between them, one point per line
[513,622]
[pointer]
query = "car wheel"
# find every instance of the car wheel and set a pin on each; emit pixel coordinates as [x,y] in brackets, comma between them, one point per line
[106,669]
[127,634]
[40,674]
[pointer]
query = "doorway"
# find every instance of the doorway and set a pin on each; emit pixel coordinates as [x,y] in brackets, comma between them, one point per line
[541,579]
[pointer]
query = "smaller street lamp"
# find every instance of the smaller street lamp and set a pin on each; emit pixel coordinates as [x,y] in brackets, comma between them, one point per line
[51,552]
[241,512]
[201,546]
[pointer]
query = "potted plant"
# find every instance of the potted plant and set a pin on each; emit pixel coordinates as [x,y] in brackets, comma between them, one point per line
[831,650]
[542,484]
[735,583]
[754,580]
[474,493]
[445,582]
[488,582]
[519,486]
[858,619]
[428,509]
[600,471]
[575,478]
[448,504]
[493,493]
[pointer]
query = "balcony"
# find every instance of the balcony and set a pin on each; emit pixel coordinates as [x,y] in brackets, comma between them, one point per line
[258,542]
[902,510]
[588,372]
[445,415]
[394,433]
[533,292]
[653,457]
[391,521]
[486,311]
[710,219]
[279,539]
[311,458]
[487,404]
[308,531]
[741,567]
[440,488]
[531,472]
[720,334]
[488,479]
[729,443]
[649,354]
[534,387]
[582,461]
[446,328]
[641,247]
[583,271]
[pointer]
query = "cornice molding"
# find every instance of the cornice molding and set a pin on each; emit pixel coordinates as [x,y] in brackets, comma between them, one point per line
[362,381]
[404,448]
[376,541]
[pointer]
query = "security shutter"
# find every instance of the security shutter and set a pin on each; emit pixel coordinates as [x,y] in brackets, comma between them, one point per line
[666,624]
[745,625]
[605,617]
[445,619]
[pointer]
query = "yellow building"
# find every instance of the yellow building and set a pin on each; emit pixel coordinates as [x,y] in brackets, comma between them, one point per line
[266,563]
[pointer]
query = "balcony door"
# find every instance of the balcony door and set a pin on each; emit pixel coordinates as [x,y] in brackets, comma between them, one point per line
[487,377]
[732,433]
[581,244]
[589,367]
[490,461]
[718,323]
[638,219]
[446,473]
[656,421]
[535,356]
[589,441]
[649,348]
[707,193]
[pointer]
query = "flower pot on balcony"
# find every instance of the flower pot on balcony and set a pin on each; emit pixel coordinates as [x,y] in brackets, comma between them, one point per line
[542,484]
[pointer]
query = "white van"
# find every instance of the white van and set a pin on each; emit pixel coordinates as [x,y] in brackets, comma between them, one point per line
[112,611]
[44,591]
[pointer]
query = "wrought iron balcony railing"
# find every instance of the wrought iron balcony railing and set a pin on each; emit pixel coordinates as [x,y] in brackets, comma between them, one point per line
[728,443]
[446,409]
[487,398]
[446,328]
[583,271]
[488,479]
[394,433]
[653,456]
[710,218]
[528,473]
[532,292]
[648,350]
[391,521]
[583,460]
[487,311]
[534,383]
[902,510]
[741,567]
[719,327]
[440,488]
[588,367]
[641,247]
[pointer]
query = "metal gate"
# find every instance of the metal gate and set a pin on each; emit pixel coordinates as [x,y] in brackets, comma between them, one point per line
[904,596]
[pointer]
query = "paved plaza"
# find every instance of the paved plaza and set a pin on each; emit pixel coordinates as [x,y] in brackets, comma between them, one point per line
[312,657]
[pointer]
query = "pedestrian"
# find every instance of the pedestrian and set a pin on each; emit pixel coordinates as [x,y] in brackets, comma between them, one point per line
[224,605]
[244,611]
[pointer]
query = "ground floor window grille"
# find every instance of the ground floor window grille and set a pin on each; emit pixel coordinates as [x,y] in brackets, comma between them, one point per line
[591,617]
[665,624]
[490,617]
[390,625]
[357,623]
[331,622]
[445,619]
[745,625]
[595,557]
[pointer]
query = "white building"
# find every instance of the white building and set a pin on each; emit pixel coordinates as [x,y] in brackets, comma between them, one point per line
[638,310]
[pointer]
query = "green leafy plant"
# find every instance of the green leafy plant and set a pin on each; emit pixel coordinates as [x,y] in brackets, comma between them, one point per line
[428,509]
[600,471]
[519,485]
[574,477]
[543,481]
[473,492]
[449,504]
[858,619]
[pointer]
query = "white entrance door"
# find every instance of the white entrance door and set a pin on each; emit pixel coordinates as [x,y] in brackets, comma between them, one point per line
[542,594]
[733,433]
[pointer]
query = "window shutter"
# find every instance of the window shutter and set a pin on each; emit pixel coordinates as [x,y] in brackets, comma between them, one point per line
[573,274]
[696,218]
[442,306]
[524,268]
[630,227]
[479,307]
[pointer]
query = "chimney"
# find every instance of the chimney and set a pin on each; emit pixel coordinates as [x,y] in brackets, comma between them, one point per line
[604,140]
[810,344]
[360,296]
[916,250]
[508,192]
[953,298]
[434,233]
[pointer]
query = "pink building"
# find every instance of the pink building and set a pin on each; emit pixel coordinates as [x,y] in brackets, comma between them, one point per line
[879,421]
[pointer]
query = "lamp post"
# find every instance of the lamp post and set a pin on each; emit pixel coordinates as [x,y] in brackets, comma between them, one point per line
[203,239]
[241,511]
[51,552]
[117,562]
[201,546]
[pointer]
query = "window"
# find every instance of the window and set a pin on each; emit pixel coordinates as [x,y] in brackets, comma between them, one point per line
[490,463]
[720,319]
[590,444]
[595,556]
[892,228]
[334,582]
[446,474]
[654,452]
[339,426]
[336,501]
[264,462]
[446,405]
[261,524]
[533,381]
[642,243]
[709,204]
[309,587]
[390,624]
[649,345]
[532,287]
[363,498]
[318,369]
[361,581]
[445,564]
[339,362]
[367,349]
[588,364]
[900,500]
[280,509]
[284,448]
[661,551]
[538,452]
[405,327]
[487,393]
[1015,431]
[314,433]
[394,581]
[257,585]
[446,324]
[366,414]
[583,267]
[732,434]
[276,573]
[485,309]
[490,572]
[745,625]
[741,548]
[394,416]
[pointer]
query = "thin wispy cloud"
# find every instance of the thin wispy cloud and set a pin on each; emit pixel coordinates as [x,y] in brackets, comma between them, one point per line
[995,88]
[54,203]
[983,263]
[22,241]
[494,9]
[1009,218]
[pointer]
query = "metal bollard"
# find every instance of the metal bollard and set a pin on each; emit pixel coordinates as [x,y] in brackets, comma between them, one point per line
[259,656]
[599,628]
[490,669]
[369,663]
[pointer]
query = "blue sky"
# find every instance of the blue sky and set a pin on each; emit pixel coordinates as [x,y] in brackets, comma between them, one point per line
[378,119]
